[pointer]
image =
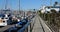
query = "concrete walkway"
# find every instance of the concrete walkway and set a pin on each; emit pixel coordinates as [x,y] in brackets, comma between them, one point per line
[37,26]
[40,26]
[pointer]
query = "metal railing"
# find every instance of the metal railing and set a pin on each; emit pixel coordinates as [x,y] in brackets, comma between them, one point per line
[24,28]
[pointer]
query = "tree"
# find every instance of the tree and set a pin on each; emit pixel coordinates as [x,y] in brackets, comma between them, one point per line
[53,10]
[55,3]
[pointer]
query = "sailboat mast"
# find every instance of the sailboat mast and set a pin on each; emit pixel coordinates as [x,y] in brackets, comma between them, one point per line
[6,3]
[19,5]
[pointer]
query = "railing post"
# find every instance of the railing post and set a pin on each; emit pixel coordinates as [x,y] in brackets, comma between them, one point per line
[26,30]
[29,28]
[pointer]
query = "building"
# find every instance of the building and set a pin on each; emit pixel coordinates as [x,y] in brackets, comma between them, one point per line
[46,9]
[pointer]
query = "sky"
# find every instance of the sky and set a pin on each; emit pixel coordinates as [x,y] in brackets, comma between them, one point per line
[26,4]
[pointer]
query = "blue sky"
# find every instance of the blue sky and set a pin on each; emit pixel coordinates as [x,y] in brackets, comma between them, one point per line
[26,4]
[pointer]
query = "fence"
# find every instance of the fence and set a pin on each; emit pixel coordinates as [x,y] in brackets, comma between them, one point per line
[27,25]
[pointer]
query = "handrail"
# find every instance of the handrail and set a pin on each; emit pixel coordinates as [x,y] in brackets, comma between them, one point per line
[23,28]
[26,25]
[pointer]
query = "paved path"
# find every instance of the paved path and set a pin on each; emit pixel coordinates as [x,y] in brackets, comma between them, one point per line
[40,26]
[37,26]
